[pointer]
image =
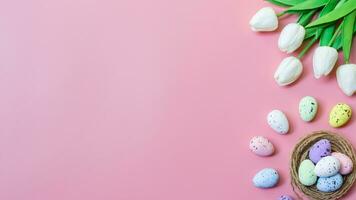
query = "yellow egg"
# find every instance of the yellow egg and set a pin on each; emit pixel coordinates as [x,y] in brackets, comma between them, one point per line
[340,115]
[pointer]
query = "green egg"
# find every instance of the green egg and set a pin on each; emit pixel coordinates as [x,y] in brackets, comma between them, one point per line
[306,173]
[308,107]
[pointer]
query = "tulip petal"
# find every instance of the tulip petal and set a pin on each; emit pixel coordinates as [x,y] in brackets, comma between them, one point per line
[264,20]
[346,78]
[324,60]
[288,71]
[291,37]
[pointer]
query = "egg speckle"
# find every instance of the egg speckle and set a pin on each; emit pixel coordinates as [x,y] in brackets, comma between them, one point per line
[284,197]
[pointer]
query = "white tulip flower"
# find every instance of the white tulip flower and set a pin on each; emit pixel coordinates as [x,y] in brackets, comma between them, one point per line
[346,78]
[324,59]
[288,71]
[291,37]
[264,20]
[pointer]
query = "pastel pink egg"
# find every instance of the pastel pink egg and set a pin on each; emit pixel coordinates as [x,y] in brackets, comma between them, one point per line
[346,164]
[261,146]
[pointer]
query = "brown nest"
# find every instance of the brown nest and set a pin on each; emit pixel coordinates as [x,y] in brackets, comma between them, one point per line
[300,153]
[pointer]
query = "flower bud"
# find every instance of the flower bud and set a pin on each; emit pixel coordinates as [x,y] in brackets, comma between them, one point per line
[264,20]
[288,71]
[346,78]
[291,37]
[324,59]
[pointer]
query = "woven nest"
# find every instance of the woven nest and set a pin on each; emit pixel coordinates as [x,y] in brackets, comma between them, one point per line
[300,153]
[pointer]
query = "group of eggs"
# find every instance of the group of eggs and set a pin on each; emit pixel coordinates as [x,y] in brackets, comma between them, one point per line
[339,115]
[325,168]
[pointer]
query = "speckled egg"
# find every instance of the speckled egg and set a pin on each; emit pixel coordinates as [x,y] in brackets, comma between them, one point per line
[306,173]
[330,184]
[327,166]
[319,150]
[278,121]
[284,197]
[308,107]
[346,164]
[261,146]
[266,178]
[339,115]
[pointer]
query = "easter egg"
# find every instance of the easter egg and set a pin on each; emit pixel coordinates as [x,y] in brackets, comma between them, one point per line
[261,146]
[278,121]
[327,166]
[308,107]
[346,164]
[284,197]
[306,173]
[339,115]
[330,184]
[319,150]
[266,178]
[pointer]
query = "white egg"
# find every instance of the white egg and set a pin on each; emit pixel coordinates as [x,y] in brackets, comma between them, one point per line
[278,121]
[327,166]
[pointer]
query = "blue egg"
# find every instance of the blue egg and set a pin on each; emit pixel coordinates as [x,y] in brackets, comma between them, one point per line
[330,184]
[266,178]
[285,197]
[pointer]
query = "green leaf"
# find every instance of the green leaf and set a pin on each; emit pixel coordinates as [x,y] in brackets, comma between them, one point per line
[340,3]
[336,14]
[310,32]
[306,17]
[328,7]
[338,41]
[284,3]
[277,3]
[307,5]
[287,2]
[347,33]
[327,33]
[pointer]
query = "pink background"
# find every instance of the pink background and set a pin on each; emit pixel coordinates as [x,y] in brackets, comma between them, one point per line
[144,100]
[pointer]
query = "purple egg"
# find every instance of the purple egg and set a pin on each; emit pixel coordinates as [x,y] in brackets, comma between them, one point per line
[319,150]
[285,197]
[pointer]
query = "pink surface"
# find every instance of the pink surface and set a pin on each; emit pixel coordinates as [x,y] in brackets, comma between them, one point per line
[136,100]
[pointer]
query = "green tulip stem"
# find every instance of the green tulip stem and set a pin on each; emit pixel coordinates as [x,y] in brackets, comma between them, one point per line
[281,14]
[337,32]
[307,47]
